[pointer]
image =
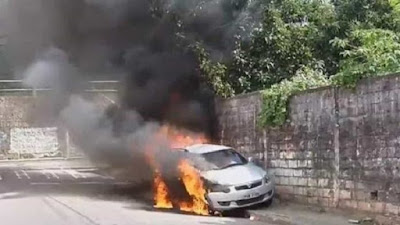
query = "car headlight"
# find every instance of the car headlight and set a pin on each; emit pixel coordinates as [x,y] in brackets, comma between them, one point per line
[220,188]
[266,179]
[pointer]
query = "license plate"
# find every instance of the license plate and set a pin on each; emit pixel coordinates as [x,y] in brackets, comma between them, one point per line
[252,195]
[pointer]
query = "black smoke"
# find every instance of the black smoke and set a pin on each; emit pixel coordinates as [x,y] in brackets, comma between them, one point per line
[61,44]
[141,39]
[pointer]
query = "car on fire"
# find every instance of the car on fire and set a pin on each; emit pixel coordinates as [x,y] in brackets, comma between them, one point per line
[232,180]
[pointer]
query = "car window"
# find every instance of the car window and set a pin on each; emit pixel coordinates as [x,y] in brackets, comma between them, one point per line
[224,158]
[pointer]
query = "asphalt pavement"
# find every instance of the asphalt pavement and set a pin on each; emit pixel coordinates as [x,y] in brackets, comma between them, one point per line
[25,179]
[68,196]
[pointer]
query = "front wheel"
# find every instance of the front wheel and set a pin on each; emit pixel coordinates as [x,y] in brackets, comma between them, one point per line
[268,202]
[215,213]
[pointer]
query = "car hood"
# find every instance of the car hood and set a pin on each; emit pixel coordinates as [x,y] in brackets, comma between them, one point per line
[235,175]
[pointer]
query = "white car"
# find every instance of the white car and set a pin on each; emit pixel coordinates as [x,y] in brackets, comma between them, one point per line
[233,181]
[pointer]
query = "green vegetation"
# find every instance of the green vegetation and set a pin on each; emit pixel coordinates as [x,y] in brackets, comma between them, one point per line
[214,72]
[303,44]
[366,53]
[291,36]
[275,98]
[285,46]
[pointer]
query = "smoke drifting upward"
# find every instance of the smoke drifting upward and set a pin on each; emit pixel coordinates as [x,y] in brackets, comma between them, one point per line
[60,44]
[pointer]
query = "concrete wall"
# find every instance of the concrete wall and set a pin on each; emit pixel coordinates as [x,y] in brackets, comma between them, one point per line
[338,148]
[29,128]
[14,113]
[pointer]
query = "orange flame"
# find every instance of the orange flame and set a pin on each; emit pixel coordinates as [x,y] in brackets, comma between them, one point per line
[161,197]
[179,139]
[195,188]
[190,177]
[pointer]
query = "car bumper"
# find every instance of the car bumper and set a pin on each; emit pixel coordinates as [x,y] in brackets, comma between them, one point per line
[238,199]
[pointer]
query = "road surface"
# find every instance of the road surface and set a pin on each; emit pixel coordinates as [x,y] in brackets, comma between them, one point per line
[68,196]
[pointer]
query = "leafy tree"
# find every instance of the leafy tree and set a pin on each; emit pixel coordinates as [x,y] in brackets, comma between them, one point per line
[291,35]
[367,52]
[214,72]
[297,33]
[367,13]
[349,39]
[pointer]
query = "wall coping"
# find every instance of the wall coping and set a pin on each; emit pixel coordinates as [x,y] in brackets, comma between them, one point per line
[312,90]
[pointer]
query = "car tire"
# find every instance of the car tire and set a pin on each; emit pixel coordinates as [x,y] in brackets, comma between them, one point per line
[215,213]
[268,203]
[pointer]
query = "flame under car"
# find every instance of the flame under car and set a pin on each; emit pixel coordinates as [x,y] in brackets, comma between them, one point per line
[232,180]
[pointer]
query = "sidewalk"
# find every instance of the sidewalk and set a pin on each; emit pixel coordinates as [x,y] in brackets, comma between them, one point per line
[297,214]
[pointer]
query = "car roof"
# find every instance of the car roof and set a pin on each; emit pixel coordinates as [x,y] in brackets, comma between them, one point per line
[205,148]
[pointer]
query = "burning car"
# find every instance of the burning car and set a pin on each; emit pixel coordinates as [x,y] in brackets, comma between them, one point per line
[232,181]
[203,178]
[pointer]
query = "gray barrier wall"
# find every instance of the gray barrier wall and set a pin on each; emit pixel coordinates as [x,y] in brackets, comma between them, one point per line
[339,148]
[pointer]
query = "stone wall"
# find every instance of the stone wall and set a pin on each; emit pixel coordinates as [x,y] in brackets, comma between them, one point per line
[339,147]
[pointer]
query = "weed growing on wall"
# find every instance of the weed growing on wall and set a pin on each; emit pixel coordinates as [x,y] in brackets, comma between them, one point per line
[274,109]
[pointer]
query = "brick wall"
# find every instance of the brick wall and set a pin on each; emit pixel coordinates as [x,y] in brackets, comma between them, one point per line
[339,147]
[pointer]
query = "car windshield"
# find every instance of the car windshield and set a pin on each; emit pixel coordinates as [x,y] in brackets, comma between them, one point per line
[224,158]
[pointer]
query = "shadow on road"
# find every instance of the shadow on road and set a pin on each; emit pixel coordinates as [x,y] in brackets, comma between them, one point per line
[134,193]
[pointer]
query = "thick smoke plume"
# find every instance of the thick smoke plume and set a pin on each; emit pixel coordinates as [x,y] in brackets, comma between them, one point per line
[60,44]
